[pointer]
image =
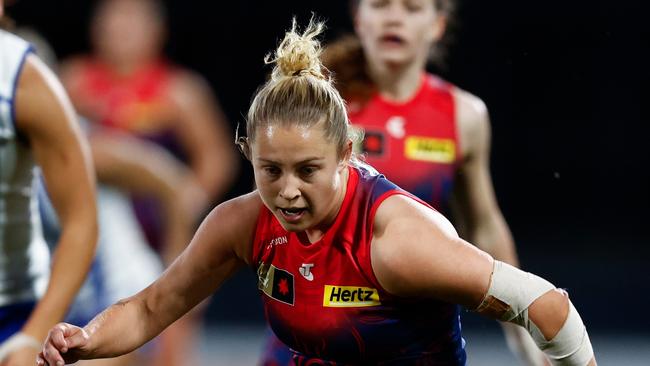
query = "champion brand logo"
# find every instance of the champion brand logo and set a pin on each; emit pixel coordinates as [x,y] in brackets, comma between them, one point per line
[305,271]
[277,241]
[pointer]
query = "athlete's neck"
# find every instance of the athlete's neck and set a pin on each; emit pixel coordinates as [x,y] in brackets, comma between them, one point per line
[397,83]
[316,233]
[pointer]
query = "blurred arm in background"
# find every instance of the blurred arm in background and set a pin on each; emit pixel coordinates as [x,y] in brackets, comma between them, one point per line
[140,167]
[45,116]
[478,217]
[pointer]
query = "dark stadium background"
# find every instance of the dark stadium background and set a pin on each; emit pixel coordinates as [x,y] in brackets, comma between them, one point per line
[566,83]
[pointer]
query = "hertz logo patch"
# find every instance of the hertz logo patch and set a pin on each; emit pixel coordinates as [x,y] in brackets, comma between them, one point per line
[430,149]
[350,296]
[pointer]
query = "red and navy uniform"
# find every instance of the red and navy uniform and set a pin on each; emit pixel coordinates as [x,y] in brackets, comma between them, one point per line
[324,301]
[413,143]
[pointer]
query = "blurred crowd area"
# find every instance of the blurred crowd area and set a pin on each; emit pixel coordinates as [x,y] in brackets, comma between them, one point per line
[162,86]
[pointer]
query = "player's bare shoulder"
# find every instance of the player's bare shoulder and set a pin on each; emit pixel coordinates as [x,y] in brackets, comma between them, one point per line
[41,102]
[403,230]
[30,86]
[244,207]
[234,221]
[400,216]
[472,120]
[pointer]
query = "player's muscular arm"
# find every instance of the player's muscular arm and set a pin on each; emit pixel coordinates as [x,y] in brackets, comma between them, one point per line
[219,247]
[474,198]
[45,116]
[400,220]
[415,251]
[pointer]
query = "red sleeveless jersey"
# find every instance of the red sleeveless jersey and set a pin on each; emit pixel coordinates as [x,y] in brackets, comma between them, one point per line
[137,102]
[324,302]
[414,143]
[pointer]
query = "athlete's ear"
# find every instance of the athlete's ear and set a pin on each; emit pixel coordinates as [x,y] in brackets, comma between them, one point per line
[244,147]
[346,154]
[242,144]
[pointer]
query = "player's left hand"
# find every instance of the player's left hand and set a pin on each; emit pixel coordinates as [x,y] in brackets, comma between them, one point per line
[25,356]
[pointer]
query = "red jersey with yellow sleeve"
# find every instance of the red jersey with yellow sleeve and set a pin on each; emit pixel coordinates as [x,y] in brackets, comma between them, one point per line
[323,300]
[414,143]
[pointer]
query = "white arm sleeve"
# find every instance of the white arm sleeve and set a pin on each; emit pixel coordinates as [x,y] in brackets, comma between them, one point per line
[510,294]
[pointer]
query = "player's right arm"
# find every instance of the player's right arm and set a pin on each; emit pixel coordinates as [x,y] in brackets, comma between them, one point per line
[220,246]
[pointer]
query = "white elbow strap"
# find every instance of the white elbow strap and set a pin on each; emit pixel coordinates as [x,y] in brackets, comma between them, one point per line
[510,294]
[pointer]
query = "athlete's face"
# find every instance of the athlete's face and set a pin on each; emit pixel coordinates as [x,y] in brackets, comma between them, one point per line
[398,32]
[127,31]
[300,175]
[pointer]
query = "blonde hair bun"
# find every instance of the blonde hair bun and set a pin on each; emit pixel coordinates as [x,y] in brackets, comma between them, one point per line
[298,54]
[300,91]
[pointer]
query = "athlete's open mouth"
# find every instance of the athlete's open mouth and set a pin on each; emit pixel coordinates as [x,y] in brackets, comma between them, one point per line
[392,39]
[292,211]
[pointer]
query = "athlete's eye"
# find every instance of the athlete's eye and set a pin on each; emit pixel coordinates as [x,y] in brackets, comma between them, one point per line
[308,171]
[414,6]
[271,170]
[378,3]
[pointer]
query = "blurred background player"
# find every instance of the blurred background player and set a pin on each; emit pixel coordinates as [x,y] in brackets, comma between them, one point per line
[426,135]
[38,128]
[127,85]
[125,263]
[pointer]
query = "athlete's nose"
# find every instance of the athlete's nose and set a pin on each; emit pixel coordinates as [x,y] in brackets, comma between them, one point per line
[290,188]
[394,14]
